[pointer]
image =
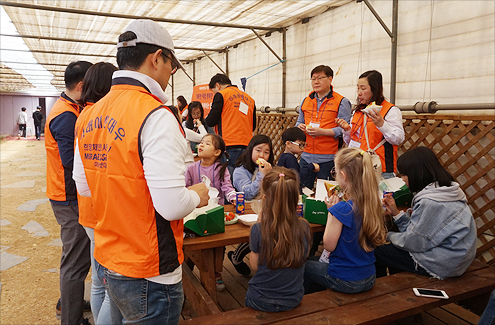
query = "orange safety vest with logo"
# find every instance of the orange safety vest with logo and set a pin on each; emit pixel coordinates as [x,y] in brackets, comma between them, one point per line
[59,183]
[325,116]
[131,237]
[387,152]
[237,127]
[87,216]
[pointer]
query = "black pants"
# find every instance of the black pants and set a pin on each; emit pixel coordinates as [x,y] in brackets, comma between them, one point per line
[22,129]
[396,260]
[37,130]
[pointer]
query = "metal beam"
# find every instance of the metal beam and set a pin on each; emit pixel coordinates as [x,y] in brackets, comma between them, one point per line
[99,42]
[284,66]
[393,37]
[194,73]
[63,65]
[187,75]
[266,44]
[64,53]
[107,14]
[214,63]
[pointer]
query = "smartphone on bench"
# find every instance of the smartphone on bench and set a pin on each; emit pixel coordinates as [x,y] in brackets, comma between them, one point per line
[430,293]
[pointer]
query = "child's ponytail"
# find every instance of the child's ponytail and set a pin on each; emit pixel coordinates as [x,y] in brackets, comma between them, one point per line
[224,165]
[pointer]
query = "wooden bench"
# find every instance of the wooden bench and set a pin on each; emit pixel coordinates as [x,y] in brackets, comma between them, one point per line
[390,299]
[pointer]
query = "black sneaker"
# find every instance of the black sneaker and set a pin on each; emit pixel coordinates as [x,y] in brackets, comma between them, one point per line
[241,268]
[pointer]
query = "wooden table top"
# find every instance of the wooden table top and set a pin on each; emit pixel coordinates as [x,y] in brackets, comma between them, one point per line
[234,234]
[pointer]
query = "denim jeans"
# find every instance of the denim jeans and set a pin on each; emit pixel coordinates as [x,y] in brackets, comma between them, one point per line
[396,260]
[37,130]
[324,173]
[488,316]
[316,278]
[100,301]
[388,175]
[115,314]
[144,302]
[263,306]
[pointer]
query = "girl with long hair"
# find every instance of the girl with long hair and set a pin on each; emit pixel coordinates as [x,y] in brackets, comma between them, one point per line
[253,164]
[354,228]
[280,244]
[196,121]
[438,236]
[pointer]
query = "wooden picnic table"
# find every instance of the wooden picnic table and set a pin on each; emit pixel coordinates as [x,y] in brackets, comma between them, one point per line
[207,254]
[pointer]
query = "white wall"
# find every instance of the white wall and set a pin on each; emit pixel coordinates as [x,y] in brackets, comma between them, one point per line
[445,53]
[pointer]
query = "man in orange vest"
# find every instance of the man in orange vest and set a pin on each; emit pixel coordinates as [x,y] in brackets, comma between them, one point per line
[129,157]
[317,115]
[234,112]
[61,190]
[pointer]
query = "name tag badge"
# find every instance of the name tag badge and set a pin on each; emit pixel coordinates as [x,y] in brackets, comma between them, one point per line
[243,108]
[314,125]
[354,144]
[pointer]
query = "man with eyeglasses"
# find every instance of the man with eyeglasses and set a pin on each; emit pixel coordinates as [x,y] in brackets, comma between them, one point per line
[130,153]
[317,115]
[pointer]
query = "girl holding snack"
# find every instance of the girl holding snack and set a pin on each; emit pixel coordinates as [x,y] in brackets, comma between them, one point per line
[196,121]
[385,132]
[279,243]
[211,150]
[354,228]
[254,163]
[438,236]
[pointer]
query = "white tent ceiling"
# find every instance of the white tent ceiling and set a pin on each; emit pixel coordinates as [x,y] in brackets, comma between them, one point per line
[58,32]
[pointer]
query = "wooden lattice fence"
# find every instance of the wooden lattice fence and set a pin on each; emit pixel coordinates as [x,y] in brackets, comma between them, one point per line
[465,146]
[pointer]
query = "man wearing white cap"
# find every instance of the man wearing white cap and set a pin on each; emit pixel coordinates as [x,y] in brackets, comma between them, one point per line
[130,153]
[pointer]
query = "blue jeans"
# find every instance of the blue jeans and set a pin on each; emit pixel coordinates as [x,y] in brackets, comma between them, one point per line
[488,316]
[100,301]
[263,306]
[324,173]
[143,302]
[37,130]
[316,278]
[388,175]
[396,260]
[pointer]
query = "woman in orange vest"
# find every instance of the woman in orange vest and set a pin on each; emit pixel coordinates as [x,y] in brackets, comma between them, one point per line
[385,132]
[182,106]
[96,84]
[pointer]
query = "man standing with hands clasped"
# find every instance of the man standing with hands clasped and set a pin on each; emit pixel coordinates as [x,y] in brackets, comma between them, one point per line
[22,121]
[317,115]
[130,153]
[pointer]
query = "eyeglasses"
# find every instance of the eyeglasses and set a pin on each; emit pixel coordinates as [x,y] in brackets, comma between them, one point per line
[333,172]
[301,145]
[319,79]
[175,66]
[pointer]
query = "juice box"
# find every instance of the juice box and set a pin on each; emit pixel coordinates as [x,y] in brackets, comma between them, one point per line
[299,209]
[239,202]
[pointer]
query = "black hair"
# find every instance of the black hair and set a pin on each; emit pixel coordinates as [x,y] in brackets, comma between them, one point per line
[219,144]
[97,82]
[182,101]
[293,134]
[322,68]
[375,80]
[74,73]
[189,121]
[132,57]
[422,167]
[23,109]
[219,78]
[245,158]
[175,111]
[38,107]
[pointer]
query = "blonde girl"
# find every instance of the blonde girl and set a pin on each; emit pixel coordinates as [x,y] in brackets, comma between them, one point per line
[280,244]
[354,228]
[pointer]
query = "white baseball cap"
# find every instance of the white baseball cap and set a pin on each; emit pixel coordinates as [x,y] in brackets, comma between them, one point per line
[150,32]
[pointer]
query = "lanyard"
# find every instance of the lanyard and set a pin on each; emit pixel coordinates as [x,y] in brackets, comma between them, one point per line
[317,110]
[213,171]
[361,131]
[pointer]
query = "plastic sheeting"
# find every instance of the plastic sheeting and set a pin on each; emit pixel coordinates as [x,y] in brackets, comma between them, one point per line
[90,27]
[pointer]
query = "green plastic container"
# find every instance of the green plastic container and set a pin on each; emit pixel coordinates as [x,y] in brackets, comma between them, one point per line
[210,223]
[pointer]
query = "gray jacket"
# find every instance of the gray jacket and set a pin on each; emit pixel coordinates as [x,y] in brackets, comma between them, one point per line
[440,233]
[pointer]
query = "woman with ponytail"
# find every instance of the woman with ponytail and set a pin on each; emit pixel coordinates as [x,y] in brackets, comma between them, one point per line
[354,228]
[279,244]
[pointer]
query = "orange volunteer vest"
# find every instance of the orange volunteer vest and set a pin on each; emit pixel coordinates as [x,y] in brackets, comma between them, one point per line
[87,216]
[59,183]
[387,152]
[131,238]
[326,117]
[237,127]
